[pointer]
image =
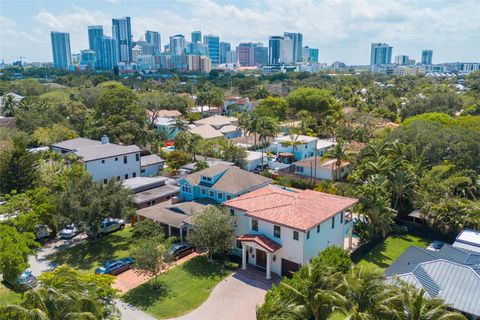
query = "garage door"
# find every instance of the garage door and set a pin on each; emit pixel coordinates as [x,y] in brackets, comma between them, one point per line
[289,267]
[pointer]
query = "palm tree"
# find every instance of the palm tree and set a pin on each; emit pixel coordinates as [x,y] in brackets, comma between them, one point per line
[181,125]
[340,155]
[9,105]
[52,304]
[267,127]
[193,144]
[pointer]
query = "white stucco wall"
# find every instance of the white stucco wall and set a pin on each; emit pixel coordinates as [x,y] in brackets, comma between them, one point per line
[112,168]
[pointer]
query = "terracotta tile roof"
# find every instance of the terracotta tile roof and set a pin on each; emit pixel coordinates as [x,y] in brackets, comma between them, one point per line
[261,240]
[297,209]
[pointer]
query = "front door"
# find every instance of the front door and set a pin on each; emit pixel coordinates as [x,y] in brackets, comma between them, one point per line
[261,259]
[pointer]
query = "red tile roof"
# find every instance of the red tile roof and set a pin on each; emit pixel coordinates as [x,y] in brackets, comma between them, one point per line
[297,209]
[261,240]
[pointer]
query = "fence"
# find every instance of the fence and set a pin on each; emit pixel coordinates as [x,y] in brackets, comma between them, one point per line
[421,230]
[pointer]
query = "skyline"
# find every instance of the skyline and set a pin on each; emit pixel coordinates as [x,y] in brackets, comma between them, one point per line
[342,30]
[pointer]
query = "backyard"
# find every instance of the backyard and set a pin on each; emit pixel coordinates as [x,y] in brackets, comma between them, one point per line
[386,252]
[89,255]
[183,288]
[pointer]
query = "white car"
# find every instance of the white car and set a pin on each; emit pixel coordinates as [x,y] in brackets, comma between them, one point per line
[69,232]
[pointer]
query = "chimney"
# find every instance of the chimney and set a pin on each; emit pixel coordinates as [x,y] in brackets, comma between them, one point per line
[105,139]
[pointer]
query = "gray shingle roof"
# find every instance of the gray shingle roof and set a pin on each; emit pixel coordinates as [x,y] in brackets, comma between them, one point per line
[76,143]
[233,180]
[452,274]
[150,159]
[102,151]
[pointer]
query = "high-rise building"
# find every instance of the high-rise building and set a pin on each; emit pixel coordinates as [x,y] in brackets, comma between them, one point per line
[62,56]
[88,59]
[427,56]
[122,33]
[224,48]
[154,40]
[93,33]
[213,45]
[280,50]
[177,45]
[297,39]
[402,60]
[196,36]
[245,54]
[309,54]
[107,53]
[260,55]
[231,57]
[381,54]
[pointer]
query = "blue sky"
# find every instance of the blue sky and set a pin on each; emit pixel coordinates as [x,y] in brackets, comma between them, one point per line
[342,29]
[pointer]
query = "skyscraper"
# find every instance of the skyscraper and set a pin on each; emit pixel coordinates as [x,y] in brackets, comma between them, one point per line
[122,33]
[196,36]
[153,38]
[93,33]
[62,56]
[297,39]
[260,55]
[280,50]
[213,45]
[427,56]
[245,54]
[381,54]
[88,59]
[224,48]
[107,53]
[177,45]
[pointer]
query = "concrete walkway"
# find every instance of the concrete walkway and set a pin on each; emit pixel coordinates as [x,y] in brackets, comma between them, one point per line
[234,298]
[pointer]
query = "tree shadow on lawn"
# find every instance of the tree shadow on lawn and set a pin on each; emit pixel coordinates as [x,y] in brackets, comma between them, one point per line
[92,253]
[146,295]
[202,268]
[375,256]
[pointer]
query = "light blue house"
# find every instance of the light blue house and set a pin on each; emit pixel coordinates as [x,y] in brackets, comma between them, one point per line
[294,147]
[220,183]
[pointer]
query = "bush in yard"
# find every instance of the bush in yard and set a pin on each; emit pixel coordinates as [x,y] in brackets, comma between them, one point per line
[147,229]
[151,257]
[213,231]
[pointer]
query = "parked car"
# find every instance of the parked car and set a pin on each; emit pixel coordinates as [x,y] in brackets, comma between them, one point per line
[69,231]
[108,226]
[180,250]
[41,231]
[115,267]
[259,168]
[436,245]
[24,281]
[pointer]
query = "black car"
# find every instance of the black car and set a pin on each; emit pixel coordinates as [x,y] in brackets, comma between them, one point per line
[259,169]
[180,250]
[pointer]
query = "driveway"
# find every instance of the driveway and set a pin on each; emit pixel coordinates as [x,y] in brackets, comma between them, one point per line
[234,298]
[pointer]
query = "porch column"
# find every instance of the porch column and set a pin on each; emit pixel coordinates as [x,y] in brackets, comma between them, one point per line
[169,230]
[181,234]
[350,236]
[244,257]
[269,265]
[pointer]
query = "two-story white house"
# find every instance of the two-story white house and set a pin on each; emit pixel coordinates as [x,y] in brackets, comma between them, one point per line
[103,160]
[280,229]
[290,148]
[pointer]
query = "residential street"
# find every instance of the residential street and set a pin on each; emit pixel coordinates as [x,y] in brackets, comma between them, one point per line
[235,298]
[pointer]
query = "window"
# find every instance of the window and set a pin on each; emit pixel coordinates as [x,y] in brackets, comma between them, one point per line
[295,235]
[229,197]
[318,229]
[137,157]
[239,244]
[254,224]
[299,169]
[306,146]
[103,161]
[105,180]
[341,217]
[333,222]
[186,189]
[220,195]
[126,176]
[116,158]
[204,191]
[142,171]
[276,231]
[134,174]
[308,234]
[125,159]
[212,194]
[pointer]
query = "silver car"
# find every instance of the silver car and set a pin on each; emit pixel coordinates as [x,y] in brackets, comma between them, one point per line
[68,232]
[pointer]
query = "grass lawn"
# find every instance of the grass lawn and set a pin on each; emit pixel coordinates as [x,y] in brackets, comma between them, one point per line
[386,252]
[89,255]
[184,288]
[7,295]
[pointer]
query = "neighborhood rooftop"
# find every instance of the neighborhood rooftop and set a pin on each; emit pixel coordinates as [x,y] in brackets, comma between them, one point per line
[318,162]
[298,209]
[150,159]
[216,120]
[232,180]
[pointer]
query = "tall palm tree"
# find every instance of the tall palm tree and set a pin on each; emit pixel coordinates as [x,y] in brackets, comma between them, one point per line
[193,145]
[181,125]
[340,154]
[9,105]
[267,127]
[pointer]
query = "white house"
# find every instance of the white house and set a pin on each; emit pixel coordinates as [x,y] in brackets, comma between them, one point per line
[103,160]
[319,168]
[151,165]
[280,229]
[253,159]
[294,147]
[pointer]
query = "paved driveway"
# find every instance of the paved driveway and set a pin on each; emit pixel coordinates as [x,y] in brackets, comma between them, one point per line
[234,298]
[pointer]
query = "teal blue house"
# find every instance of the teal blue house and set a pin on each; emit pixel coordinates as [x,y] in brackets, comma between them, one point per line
[220,183]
